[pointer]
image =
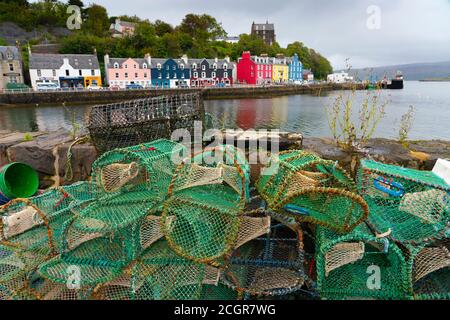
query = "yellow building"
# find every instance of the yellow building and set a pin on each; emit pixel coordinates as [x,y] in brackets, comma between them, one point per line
[280,70]
[92,79]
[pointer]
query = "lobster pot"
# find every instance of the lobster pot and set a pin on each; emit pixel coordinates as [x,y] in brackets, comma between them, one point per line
[411,206]
[146,168]
[160,274]
[130,123]
[270,265]
[360,266]
[205,204]
[38,288]
[302,185]
[430,265]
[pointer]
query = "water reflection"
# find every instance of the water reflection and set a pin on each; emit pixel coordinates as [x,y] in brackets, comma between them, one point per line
[304,113]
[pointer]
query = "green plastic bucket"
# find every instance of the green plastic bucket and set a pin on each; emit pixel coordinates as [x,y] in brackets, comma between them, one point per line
[18,180]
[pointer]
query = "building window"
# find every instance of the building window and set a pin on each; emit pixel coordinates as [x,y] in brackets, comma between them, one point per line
[135,66]
[136,75]
[213,75]
[159,66]
[225,74]
[116,65]
[54,73]
[194,66]
[39,73]
[92,72]
[203,67]
[144,66]
[11,67]
[167,68]
[67,72]
[145,75]
[182,66]
[225,66]
[160,75]
[174,67]
[215,66]
[126,75]
[117,75]
[9,55]
[126,66]
[203,74]
[195,74]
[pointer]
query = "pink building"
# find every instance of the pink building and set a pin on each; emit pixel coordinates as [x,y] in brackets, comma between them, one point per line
[122,72]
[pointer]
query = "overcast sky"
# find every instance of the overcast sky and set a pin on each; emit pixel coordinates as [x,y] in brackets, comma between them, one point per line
[410,30]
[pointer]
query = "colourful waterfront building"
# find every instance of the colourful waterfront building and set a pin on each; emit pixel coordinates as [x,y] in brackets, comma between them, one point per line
[128,71]
[295,69]
[11,71]
[211,72]
[64,70]
[170,73]
[280,69]
[254,70]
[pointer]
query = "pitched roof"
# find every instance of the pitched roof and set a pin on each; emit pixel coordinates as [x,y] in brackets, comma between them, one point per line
[120,61]
[55,61]
[5,49]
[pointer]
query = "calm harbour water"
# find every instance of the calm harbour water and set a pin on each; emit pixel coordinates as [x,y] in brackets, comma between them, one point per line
[303,113]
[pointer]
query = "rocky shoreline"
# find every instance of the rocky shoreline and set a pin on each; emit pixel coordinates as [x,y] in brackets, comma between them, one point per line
[48,152]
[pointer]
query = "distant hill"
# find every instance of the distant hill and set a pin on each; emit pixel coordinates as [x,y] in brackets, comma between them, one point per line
[415,71]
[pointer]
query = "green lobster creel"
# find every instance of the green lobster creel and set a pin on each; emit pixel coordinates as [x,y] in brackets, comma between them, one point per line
[311,189]
[147,168]
[160,274]
[18,180]
[360,266]
[430,270]
[31,231]
[270,265]
[206,199]
[412,206]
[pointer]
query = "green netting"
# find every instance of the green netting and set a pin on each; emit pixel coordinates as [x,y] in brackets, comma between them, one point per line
[430,270]
[146,167]
[313,190]
[160,274]
[202,214]
[360,266]
[270,265]
[411,206]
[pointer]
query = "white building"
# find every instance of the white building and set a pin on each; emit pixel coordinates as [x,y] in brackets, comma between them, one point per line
[65,70]
[341,77]
[228,39]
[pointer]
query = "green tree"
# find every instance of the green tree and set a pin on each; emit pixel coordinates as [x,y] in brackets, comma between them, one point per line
[201,27]
[162,28]
[77,3]
[97,22]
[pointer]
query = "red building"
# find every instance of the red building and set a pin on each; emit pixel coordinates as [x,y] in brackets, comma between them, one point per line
[254,70]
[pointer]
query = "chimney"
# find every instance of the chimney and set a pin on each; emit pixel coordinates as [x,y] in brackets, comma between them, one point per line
[148,58]
[95,51]
[227,59]
[106,61]
[216,59]
[184,57]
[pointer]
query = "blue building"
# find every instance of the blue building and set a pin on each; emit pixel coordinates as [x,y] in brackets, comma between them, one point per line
[170,73]
[295,69]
